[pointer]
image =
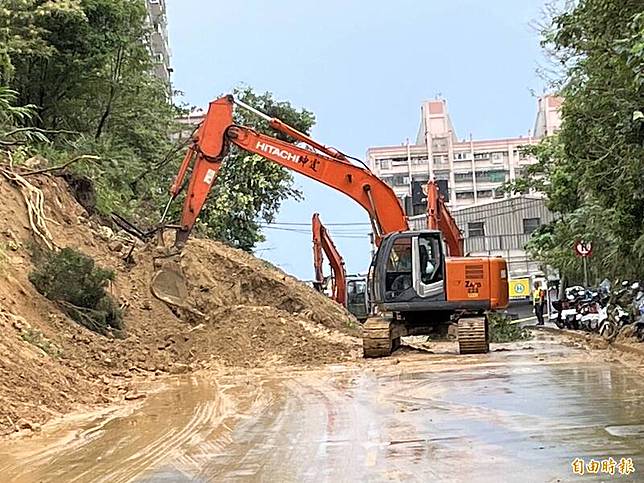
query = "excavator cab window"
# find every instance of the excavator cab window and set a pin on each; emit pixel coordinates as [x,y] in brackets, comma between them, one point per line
[429,269]
[399,267]
[430,259]
[356,290]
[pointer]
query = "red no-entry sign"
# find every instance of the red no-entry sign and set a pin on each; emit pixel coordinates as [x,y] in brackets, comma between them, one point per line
[583,248]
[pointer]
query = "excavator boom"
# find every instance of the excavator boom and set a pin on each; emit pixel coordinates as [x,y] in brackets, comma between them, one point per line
[217,133]
[440,218]
[322,243]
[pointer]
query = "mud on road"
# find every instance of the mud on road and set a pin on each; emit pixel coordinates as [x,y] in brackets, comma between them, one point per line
[513,415]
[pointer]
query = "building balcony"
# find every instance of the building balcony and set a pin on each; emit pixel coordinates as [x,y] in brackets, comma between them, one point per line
[156,8]
[159,41]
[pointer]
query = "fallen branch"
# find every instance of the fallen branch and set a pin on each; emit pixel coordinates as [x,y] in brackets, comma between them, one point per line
[84,316]
[63,166]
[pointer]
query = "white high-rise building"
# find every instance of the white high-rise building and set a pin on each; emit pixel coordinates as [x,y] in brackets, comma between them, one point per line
[469,172]
[158,41]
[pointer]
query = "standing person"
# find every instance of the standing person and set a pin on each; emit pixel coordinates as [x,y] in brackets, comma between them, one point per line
[538,300]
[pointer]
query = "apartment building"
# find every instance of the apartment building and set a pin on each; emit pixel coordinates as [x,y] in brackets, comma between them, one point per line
[158,41]
[469,172]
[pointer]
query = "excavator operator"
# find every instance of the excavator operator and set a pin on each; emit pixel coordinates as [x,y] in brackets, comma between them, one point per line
[399,266]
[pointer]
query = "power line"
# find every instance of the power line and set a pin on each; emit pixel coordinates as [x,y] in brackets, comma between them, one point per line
[286,223]
[308,233]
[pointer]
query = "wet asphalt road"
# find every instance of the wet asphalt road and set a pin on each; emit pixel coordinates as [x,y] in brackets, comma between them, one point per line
[513,415]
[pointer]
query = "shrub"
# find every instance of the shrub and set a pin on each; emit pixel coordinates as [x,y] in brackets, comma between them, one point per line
[77,285]
[503,330]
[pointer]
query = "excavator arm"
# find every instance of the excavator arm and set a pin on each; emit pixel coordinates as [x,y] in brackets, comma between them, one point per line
[440,218]
[314,160]
[322,242]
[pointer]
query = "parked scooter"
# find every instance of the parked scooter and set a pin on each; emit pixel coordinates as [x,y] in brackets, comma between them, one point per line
[603,311]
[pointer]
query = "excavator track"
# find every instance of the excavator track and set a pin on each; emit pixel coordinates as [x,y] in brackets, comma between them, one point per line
[380,337]
[473,335]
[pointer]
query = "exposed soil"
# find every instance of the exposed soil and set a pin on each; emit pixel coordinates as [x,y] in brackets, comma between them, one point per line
[254,315]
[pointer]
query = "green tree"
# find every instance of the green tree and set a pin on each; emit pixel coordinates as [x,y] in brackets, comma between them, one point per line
[89,71]
[85,66]
[592,171]
[250,189]
[22,32]
[73,280]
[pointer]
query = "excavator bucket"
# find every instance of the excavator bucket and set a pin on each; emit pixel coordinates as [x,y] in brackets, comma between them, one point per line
[169,283]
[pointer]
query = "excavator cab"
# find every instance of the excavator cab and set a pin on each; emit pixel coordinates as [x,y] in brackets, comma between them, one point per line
[411,272]
[357,302]
[408,271]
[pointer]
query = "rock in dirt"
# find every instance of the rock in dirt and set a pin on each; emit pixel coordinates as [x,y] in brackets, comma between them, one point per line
[133,396]
[115,246]
[178,368]
[23,424]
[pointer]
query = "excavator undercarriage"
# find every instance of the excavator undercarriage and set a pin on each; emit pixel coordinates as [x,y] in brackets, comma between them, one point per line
[381,336]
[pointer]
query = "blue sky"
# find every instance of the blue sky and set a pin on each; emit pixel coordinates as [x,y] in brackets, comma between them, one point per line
[363,67]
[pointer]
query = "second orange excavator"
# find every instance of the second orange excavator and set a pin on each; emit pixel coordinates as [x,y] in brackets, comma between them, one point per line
[347,290]
[322,243]
[416,280]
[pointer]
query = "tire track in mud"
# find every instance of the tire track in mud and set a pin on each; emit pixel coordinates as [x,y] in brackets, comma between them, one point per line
[157,451]
[121,449]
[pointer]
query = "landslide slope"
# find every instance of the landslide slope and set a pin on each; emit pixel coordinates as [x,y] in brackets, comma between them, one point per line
[254,315]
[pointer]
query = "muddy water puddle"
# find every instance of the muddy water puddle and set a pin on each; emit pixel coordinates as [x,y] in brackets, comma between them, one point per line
[518,415]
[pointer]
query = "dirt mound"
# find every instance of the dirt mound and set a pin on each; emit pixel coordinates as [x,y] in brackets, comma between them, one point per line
[221,276]
[252,315]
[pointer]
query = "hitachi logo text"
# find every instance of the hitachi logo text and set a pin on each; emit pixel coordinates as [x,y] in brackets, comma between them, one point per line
[282,153]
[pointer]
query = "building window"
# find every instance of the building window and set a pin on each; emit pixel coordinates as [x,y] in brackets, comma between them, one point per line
[493,176]
[439,144]
[463,176]
[498,158]
[462,156]
[481,155]
[530,225]
[399,161]
[400,180]
[475,228]
[498,194]
[383,163]
[418,160]
[442,159]
[465,195]
[484,194]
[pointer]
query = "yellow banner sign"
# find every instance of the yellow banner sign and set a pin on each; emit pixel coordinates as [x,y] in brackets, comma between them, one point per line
[519,287]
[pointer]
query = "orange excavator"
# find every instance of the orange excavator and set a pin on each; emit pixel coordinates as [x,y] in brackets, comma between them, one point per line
[322,243]
[347,290]
[414,286]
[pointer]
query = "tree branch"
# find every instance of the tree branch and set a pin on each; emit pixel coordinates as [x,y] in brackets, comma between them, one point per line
[39,130]
[63,166]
